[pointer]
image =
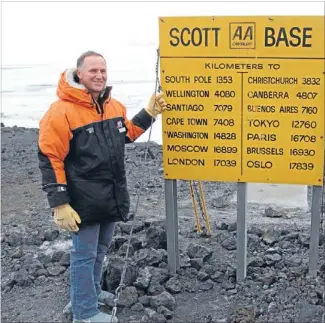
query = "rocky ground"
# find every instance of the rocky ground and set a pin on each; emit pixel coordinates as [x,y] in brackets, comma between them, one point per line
[35,254]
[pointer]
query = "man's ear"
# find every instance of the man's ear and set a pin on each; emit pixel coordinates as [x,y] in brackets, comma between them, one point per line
[78,73]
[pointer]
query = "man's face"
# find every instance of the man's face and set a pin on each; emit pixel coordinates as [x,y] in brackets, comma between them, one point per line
[93,74]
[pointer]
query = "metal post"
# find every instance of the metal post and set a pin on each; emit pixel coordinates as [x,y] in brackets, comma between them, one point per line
[241,231]
[172,225]
[315,228]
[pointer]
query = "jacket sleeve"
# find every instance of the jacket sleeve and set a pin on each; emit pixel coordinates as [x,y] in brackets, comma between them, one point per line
[53,146]
[138,125]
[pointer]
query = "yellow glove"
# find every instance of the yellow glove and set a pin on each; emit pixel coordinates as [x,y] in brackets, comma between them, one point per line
[156,104]
[66,217]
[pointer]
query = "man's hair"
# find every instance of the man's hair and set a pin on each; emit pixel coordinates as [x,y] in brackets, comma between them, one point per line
[80,60]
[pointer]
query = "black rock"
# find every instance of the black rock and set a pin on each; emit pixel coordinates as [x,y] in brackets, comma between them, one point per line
[57,255]
[150,257]
[190,287]
[207,285]
[244,314]
[293,261]
[67,313]
[220,202]
[197,263]
[185,261]
[153,316]
[227,285]
[144,300]
[291,236]
[35,239]
[136,243]
[166,312]
[22,278]
[42,272]
[209,269]
[137,307]
[128,297]
[173,285]
[287,295]
[143,279]
[126,227]
[254,230]
[163,265]
[164,299]
[322,268]
[158,275]
[117,242]
[253,241]
[218,277]
[65,259]
[155,289]
[114,272]
[274,212]
[32,265]
[268,279]
[271,259]
[273,250]
[221,226]
[230,243]
[197,251]
[156,237]
[7,284]
[50,235]
[271,236]
[14,239]
[191,272]
[126,248]
[44,258]
[158,318]
[202,275]
[297,271]
[149,312]
[56,270]
[159,223]
[285,245]
[256,262]
[16,253]
[232,226]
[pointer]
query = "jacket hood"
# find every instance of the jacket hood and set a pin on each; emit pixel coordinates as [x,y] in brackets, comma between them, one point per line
[69,89]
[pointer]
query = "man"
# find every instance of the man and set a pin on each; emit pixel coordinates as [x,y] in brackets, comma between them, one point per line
[81,158]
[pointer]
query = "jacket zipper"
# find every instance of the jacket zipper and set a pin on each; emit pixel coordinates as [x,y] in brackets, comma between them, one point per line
[96,105]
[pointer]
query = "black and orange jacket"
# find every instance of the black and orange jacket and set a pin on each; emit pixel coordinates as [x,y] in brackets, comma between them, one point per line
[81,151]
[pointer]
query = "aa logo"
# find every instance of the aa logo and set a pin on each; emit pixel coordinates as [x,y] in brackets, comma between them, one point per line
[242,35]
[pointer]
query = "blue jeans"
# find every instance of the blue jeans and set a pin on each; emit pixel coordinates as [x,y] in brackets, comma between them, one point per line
[89,246]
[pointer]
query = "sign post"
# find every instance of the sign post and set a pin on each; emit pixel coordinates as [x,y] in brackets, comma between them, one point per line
[241,231]
[245,103]
[172,225]
[315,228]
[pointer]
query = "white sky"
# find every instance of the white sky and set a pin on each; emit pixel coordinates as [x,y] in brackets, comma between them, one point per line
[58,32]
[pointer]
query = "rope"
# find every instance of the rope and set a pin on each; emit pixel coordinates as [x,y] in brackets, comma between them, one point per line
[322,206]
[147,151]
[199,200]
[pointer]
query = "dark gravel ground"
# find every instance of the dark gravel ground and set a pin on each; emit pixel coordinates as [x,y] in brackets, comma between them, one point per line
[35,254]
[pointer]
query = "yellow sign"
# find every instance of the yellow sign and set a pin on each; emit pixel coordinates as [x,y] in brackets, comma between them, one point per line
[245,98]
